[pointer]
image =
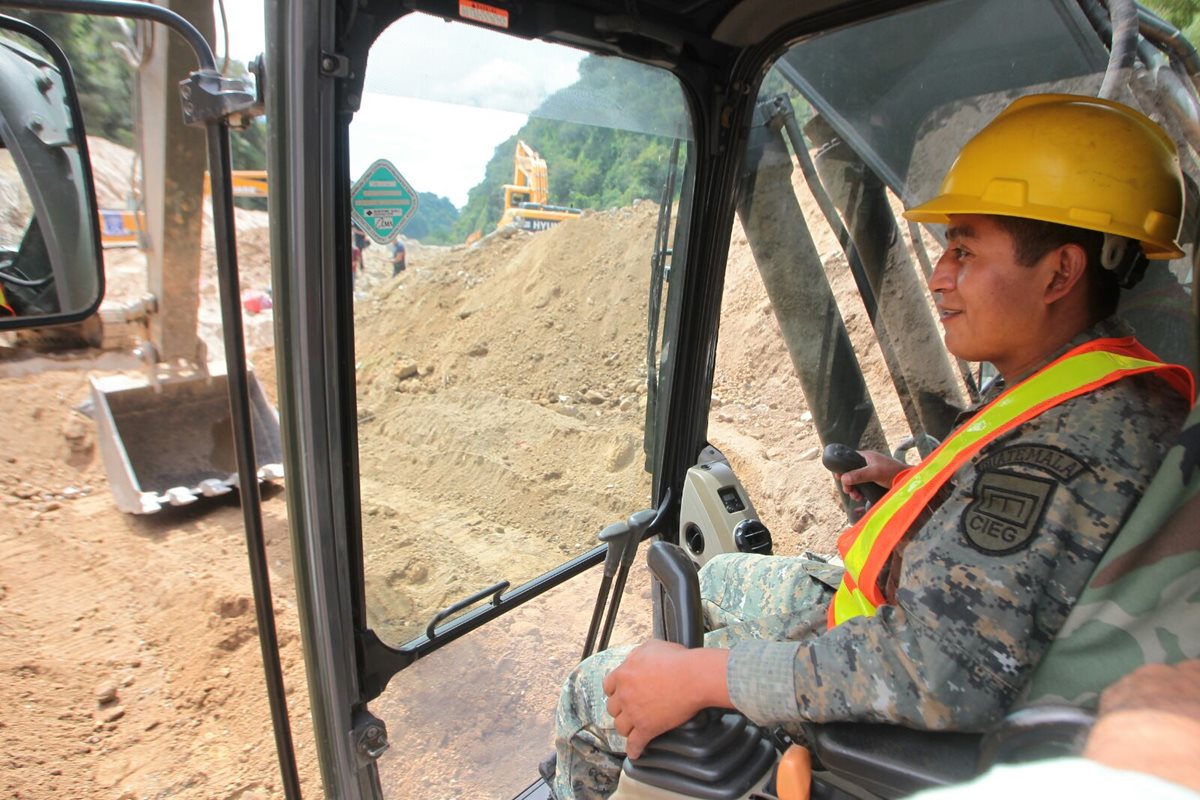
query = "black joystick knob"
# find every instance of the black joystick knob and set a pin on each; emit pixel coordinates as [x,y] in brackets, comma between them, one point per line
[842,458]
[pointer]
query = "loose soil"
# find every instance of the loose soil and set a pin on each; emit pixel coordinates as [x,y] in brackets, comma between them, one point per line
[131,665]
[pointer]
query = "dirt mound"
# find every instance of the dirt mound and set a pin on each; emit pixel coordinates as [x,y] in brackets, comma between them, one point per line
[135,671]
[478,368]
[113,173]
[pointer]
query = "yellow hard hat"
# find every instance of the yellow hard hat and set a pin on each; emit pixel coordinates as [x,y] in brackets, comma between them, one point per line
[1074,160]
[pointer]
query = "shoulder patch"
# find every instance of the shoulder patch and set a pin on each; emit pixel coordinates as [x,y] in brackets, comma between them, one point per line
[1045,458]
[1005,511]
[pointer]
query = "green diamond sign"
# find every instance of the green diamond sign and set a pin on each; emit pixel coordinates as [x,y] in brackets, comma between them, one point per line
[382,202]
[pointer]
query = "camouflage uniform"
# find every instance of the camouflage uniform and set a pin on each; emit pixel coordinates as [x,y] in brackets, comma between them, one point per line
[1140,605]
[969,614]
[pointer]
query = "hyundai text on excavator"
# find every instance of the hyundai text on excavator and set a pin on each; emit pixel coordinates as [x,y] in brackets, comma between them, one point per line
[784,139]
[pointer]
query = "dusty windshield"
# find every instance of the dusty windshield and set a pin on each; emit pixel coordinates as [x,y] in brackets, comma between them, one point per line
[837,340]
[501,335]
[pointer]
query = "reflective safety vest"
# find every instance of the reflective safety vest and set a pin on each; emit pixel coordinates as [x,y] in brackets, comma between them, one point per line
[867,547]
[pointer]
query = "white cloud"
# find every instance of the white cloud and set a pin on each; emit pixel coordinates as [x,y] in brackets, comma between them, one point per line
[499,84]
[439,96]
[437,147]
[420,56]
[247,32]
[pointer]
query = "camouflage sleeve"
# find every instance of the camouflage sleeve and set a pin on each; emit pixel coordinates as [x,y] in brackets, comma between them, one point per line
[984,585]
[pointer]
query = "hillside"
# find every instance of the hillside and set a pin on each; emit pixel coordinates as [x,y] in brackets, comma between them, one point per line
[598,165]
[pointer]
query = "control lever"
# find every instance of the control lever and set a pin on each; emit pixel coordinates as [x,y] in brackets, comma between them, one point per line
[614,537]
[622,540]
[714,754]
[682,617]
[639,523]
[840,458]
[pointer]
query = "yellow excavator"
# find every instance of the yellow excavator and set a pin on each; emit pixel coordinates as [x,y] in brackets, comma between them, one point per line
[122,227]
[525,198]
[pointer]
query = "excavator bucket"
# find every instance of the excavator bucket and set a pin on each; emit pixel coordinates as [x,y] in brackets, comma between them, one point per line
[171,442]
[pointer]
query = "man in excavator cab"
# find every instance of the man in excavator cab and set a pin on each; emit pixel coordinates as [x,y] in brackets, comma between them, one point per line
[957,579]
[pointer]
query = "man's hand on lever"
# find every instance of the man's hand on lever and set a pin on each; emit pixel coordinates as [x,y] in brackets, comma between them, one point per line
[662,685]
[880,469]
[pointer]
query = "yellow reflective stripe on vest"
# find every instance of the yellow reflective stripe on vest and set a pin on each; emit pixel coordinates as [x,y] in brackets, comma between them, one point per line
[849,602]
[1047,387]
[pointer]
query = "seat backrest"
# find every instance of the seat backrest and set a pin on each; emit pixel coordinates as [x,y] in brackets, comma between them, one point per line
[1142,604]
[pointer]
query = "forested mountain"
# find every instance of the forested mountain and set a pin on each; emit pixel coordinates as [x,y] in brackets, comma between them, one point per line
[590,166]
[104,57]
[434,221]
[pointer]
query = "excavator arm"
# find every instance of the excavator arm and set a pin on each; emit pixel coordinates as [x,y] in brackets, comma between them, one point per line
[525,199]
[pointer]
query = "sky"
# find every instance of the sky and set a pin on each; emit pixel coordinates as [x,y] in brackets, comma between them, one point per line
[494,82]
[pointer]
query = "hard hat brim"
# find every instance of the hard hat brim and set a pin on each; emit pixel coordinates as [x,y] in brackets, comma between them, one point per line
[938,210]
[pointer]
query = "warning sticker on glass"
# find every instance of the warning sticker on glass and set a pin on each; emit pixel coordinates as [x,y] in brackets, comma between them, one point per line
[480,12]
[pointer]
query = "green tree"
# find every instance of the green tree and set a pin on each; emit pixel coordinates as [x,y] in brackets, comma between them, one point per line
[1183,14]
[103,78]
[597,165]
[434,221]
[485,200]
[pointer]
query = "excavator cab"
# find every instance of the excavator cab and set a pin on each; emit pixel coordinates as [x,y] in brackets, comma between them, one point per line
[675,359]
[737,292]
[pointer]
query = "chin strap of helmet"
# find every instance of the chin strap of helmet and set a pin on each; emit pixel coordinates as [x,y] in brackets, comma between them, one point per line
[1124,257]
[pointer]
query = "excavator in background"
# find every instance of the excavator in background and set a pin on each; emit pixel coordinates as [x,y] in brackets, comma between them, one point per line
[246,183]
[120,227]
[525,198]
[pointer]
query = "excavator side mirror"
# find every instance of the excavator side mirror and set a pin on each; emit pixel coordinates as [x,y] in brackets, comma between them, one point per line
[51,271]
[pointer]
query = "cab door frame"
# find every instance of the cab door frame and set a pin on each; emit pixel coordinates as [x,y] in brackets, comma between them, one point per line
[316,53]
[310,111]
[308,160]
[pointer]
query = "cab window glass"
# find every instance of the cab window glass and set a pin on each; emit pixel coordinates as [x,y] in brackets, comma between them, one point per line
[502,362]
[837,340]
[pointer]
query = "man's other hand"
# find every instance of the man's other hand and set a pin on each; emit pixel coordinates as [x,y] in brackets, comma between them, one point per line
[662,685]
[1174,688]
[1149,721]
[880,469]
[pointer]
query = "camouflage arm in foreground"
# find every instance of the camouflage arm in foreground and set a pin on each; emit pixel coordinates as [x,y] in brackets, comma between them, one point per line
[985,584]
[1141,605]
